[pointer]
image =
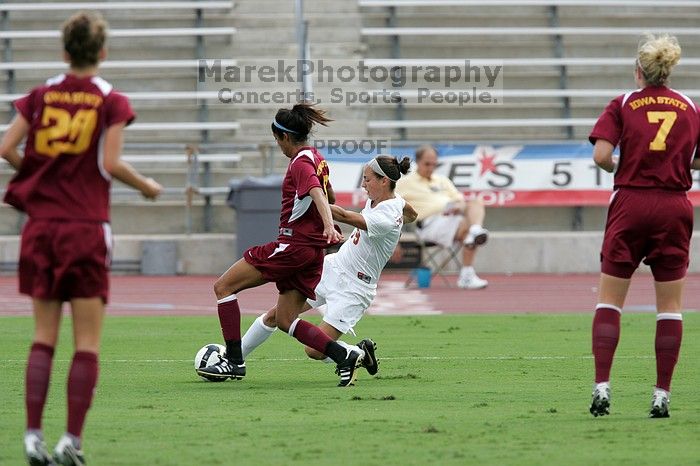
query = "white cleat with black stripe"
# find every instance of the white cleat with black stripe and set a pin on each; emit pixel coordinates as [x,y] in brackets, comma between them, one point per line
[600,401]
[68,453]
[347,370]
[659,404]
[222,370]
[36,451]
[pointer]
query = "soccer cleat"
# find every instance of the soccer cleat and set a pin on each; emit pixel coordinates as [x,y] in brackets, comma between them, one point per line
[476,237]
[472,283]
[67,453]
[36,451]
[222,370]
[369,362]
[600,403]
[347,370]
[659,404]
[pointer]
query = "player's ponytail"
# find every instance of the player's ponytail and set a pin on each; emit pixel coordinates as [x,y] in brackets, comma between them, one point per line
[84,36]
[298,121]
[656,56]
[393,168]
[405,165]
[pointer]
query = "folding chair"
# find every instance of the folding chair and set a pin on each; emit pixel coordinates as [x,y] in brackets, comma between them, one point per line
[431,253]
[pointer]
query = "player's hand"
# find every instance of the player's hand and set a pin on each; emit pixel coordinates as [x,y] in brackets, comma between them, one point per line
[332,235]
[152,189]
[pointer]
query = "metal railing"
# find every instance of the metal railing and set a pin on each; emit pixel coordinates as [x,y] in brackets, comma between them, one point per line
[198,172]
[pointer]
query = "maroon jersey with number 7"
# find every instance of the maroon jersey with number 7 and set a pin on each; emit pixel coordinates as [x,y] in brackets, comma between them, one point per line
[658,131]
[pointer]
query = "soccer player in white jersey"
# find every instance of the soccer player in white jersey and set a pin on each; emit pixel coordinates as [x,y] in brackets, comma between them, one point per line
[349,280]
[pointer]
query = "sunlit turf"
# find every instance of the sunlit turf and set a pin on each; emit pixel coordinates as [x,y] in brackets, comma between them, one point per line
[462,389]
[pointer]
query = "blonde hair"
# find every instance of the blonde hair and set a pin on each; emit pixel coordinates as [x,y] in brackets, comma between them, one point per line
[656,56]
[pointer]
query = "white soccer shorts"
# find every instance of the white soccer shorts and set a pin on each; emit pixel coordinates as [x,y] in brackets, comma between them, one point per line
[345,301]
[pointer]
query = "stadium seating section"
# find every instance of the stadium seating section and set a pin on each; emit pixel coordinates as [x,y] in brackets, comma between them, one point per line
[562,61]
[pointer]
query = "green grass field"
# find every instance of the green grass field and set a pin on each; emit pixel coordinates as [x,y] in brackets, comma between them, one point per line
[462,390]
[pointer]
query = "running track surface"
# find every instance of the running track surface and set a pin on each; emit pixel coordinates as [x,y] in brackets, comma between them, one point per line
[531,293]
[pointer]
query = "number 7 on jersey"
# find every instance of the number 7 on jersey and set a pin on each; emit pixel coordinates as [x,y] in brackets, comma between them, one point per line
[667,120]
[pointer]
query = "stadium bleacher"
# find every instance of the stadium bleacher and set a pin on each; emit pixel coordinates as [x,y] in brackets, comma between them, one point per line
[159,61]
[562,61]
[547,47]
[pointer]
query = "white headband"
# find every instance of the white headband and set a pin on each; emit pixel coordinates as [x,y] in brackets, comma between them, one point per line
[374,165]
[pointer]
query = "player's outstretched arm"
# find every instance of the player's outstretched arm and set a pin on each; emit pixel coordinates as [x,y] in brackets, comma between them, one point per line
[321,203]
[13,136]
[349,217]
[123,171]
[409,214]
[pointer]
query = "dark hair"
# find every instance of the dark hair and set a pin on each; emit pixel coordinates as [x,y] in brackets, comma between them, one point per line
[84,35]
[393,168]
[299,121]
[422,150]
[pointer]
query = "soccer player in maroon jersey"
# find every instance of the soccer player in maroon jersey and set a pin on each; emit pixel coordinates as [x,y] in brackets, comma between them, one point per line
[650,217]
[295,261]
[73,126]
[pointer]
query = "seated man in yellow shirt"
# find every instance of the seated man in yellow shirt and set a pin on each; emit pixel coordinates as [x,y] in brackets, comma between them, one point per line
[444,216]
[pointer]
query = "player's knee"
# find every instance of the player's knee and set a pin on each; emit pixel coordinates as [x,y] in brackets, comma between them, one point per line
[269,319]
[283,322]
[221,289]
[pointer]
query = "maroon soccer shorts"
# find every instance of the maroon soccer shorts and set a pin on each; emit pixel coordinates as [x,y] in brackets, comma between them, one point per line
[62,260]
[290,266]
[650,225]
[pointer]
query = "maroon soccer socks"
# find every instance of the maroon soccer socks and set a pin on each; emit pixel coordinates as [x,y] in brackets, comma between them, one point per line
[82,379]
[313,337]
[37,380]
[606,334]
[230,320]
[669,333]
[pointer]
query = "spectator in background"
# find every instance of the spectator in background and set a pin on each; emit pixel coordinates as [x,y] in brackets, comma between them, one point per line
[444,216]
[73,131]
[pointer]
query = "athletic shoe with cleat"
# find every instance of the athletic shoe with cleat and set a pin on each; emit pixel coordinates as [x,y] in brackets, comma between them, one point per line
[477,236]
[659,404]
[67,453]
[222,370]
[347,370]
[600,403]
[36,451]
[369,362]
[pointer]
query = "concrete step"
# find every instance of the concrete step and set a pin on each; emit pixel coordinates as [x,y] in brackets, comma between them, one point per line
[134,216]
[286,8]
[506,252]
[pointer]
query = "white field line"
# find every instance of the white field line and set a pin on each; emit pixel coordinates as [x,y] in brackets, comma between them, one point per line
[397,358]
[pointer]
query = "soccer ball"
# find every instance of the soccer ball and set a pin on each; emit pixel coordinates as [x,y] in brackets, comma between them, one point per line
[208,355]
